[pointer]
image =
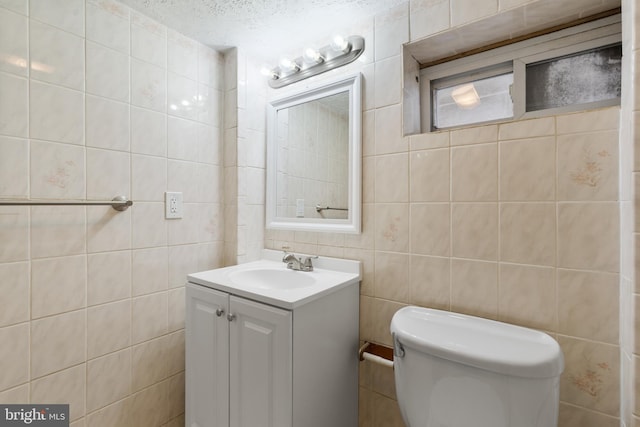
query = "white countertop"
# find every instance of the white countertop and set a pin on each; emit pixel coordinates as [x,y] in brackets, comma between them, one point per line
[328,275]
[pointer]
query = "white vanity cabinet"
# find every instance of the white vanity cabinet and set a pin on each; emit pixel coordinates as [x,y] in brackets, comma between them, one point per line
[257,358]
[238,361]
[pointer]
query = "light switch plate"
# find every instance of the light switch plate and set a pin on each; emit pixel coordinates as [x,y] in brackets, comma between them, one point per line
[300,208]
[173,205]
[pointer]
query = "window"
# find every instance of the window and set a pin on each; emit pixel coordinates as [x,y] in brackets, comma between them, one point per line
[458,104]
[573,69]
[582,78]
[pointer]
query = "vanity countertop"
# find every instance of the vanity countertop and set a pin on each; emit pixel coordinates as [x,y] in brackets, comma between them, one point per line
[269,281]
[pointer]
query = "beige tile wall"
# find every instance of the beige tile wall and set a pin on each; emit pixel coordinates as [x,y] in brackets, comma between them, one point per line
[517,222]
[245,157]
[535,258]
[629,289]
[316,158]
[92,300]
[71,126]
[231,159]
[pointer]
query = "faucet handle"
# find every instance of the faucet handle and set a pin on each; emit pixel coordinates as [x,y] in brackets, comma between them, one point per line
[307,264]
[293,262]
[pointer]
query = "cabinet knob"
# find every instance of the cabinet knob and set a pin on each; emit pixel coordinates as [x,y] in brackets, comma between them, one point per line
[231,317]
[219,312]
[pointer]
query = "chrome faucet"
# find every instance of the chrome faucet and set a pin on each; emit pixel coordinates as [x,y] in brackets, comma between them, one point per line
[298,263]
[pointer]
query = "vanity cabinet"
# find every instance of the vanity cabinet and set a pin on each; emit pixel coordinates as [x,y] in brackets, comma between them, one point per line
[251,364]
[238,361]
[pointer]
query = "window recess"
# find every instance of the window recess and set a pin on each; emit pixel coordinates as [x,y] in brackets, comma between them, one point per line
[574,69]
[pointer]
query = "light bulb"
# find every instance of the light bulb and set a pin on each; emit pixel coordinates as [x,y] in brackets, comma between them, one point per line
[340,44]
[289,65]
[312,56]
[267,72]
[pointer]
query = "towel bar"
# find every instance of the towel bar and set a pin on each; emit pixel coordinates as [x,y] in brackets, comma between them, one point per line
[119,203]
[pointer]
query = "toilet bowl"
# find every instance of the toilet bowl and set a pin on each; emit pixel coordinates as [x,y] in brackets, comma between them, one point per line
[455,370]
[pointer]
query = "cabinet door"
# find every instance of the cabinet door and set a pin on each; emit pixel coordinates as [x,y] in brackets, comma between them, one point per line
[207,357]
[260,365]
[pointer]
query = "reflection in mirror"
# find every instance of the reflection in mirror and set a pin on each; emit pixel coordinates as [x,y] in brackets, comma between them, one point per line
[313,156]
[313,165]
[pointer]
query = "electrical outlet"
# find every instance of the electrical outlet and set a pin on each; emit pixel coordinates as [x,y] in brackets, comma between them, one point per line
[173,205]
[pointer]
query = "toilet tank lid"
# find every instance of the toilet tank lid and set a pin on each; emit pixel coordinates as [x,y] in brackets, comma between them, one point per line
[481,343]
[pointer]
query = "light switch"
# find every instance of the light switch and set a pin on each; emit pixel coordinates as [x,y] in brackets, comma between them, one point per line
[300,208]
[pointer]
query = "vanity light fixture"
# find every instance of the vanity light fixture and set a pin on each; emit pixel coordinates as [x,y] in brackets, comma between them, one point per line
[340,52]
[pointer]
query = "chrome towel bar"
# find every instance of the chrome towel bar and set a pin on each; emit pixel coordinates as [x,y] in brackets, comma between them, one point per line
[320,209]
[119,203]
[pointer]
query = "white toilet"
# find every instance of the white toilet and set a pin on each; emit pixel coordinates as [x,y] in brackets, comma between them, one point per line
[454,370]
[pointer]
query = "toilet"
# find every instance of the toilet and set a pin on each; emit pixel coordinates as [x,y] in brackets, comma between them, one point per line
[455,370]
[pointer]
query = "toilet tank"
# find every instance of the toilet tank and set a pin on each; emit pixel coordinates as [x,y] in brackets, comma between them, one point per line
[456,370]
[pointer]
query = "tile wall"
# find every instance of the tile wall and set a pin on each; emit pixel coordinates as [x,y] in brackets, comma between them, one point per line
[230,160]
[245,147]
[518,221]
[515,222]
[100,111]
[629,289]
[315,160]
[632,296]
[96,101]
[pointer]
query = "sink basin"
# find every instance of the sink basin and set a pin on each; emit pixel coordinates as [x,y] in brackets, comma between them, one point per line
[272,279]
[269,281]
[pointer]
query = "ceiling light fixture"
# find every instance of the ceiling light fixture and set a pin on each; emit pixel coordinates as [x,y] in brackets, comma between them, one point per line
[465,96]
[340,52]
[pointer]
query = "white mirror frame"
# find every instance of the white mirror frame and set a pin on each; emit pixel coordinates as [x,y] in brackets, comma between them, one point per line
[352,225]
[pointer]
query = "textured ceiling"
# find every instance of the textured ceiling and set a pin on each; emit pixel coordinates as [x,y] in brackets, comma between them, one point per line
[267,26]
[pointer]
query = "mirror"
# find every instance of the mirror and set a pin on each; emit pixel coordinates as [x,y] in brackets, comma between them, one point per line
[314,147]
